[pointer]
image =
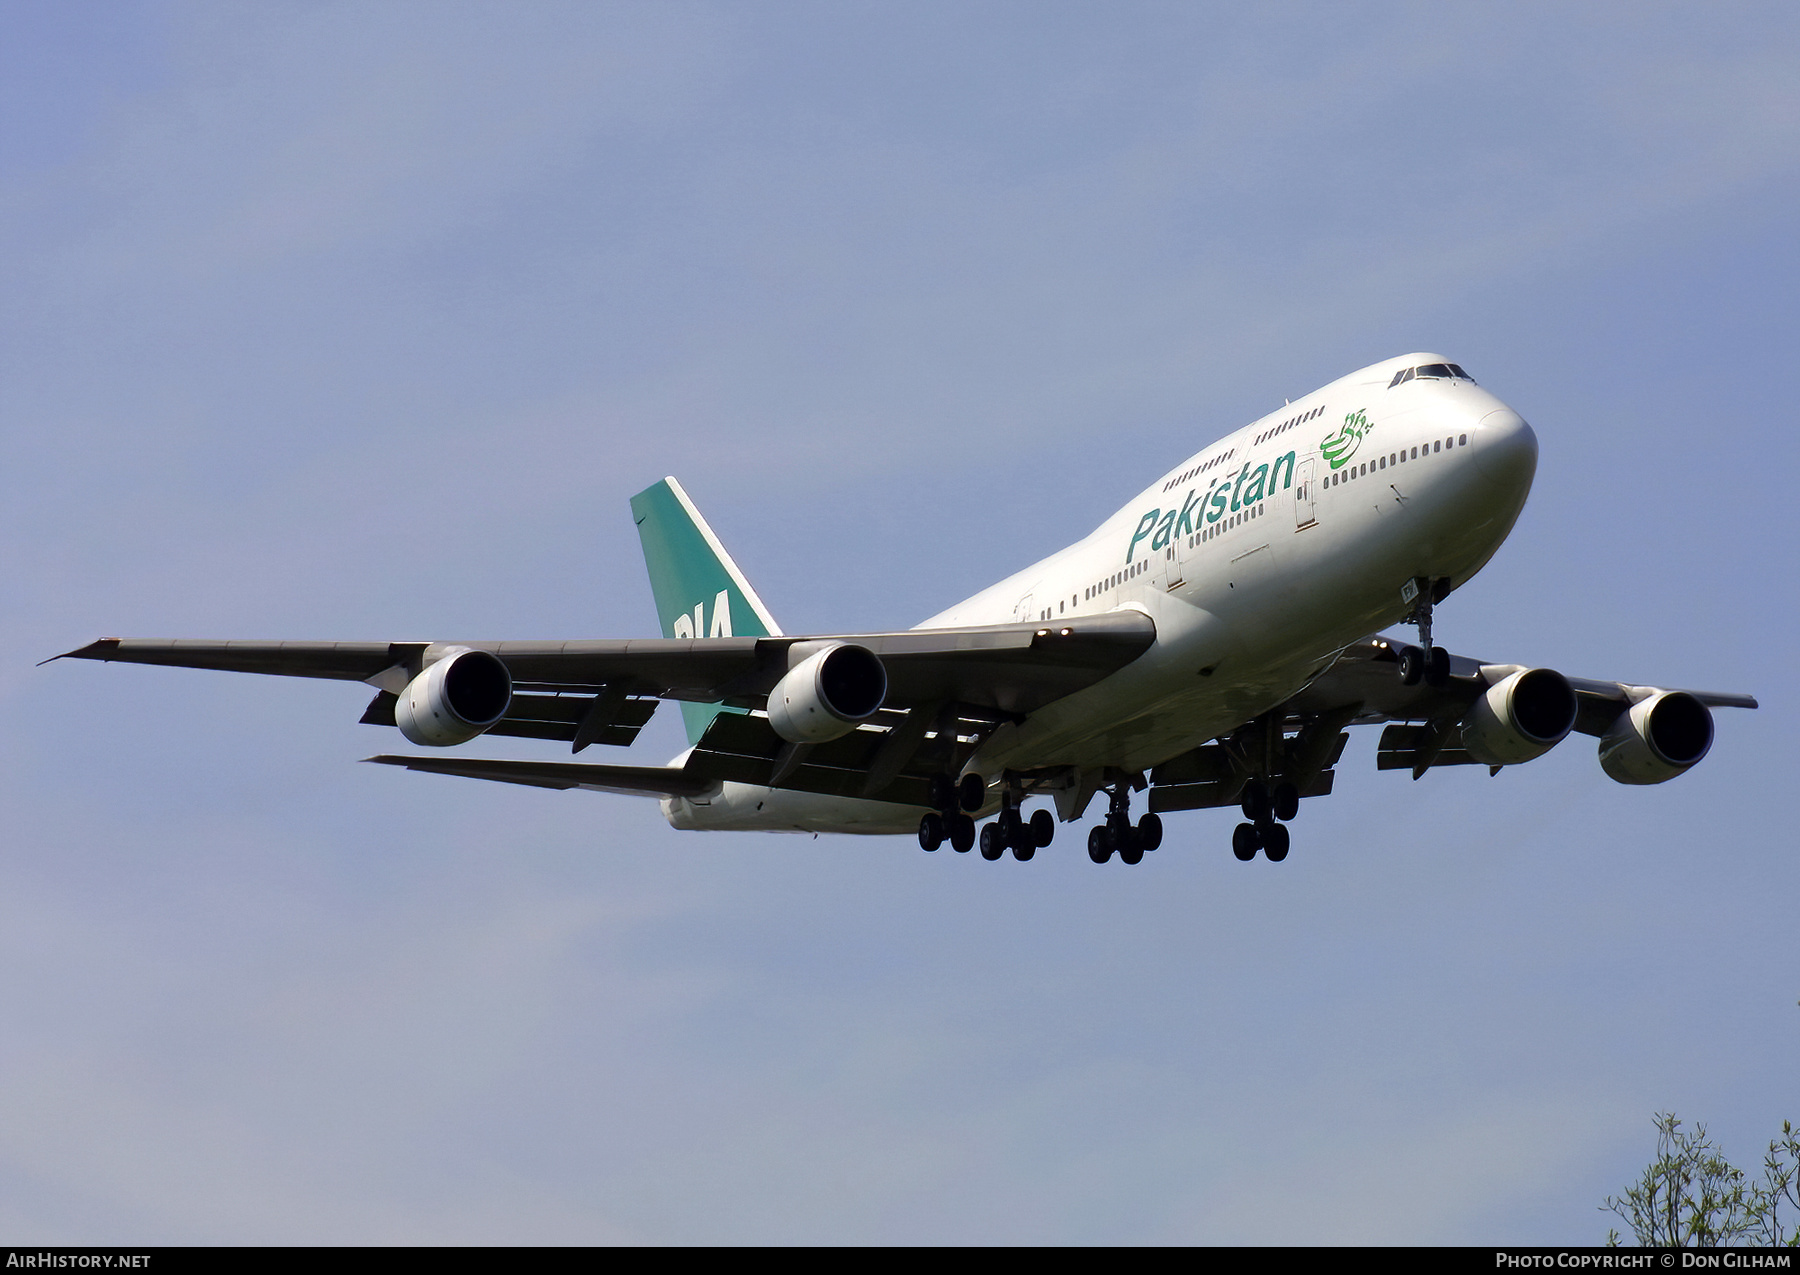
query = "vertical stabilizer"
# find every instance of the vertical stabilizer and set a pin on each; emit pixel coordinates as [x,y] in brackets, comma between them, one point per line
[699,591]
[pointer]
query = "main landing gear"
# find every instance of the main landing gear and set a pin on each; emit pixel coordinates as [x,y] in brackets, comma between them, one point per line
[1425,662]
[949,818]
[1117,833]
[1011,831]
[1262,807]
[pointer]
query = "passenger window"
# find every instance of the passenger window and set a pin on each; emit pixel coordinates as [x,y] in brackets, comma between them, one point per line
[1462,440]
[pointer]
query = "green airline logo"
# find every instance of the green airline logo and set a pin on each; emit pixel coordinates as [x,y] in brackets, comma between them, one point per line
[1339,447]
[1221,497]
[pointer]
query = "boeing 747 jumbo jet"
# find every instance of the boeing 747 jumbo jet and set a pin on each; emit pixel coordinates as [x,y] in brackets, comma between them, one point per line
[1207,645]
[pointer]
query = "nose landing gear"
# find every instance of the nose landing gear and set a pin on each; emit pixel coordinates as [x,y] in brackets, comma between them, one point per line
[1425,662]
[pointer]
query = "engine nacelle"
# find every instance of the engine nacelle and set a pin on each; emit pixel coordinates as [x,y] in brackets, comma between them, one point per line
[1657,738]
[454,699]
[1522,716]
[827,694]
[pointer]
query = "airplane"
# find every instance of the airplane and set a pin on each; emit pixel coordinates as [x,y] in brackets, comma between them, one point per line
[1209,645]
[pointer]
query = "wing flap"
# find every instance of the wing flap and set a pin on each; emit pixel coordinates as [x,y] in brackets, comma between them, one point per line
[557,717]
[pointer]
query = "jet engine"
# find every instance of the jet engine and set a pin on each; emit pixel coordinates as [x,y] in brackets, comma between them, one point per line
[454,699]
[1657,738]
[1522,716]
[826,694]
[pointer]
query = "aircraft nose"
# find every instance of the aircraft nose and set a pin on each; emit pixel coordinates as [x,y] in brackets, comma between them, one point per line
[1506,449]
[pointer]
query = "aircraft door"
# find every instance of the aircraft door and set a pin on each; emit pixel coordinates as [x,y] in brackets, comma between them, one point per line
[1025,612]
[1171,565]
[1305,502]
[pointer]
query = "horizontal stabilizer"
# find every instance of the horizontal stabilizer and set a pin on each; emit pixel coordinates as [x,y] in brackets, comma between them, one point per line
[648,781]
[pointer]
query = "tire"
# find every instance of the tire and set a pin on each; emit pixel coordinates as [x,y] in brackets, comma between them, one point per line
[1132,851]
[1256,801]
[1244,842]
[962,833]
[1024,847]
[1275,842]
[1437,667]
[1099,844]
[931,831]
[1412,665]
[971,793]
[992,847]
[1043,828]
[1149,831]
[1287,801]
[1008,826]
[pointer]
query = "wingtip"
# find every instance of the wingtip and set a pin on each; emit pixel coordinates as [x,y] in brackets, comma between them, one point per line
[97,650]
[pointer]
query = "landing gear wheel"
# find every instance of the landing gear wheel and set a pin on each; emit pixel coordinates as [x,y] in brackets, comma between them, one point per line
[1131,850]
[992,847]
[1256,801]
[1437,667]
[1099,844]
[1287,801]
[942,793]
[962,833]
[972,793]
[931,831]
[1043,828]
[1412,665]
[1149,831]
[1244,842]
[1275,842]
[1024,847]
[1007,827]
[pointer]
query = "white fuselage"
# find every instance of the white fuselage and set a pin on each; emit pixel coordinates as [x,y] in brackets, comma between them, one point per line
[1260,557]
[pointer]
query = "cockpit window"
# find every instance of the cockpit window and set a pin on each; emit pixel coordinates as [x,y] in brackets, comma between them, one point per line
[1431,371]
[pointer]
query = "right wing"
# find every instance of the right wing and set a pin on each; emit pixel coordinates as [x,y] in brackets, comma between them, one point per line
[1009,668]
[947,689]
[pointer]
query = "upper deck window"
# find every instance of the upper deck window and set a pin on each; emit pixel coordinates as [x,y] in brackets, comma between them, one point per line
[1431,372]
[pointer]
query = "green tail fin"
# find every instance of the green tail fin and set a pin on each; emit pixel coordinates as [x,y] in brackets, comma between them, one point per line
[699,590]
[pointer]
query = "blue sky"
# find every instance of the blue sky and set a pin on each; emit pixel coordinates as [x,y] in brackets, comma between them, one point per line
[365,321]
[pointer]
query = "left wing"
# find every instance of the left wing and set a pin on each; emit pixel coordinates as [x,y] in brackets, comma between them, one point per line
[1426,726]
